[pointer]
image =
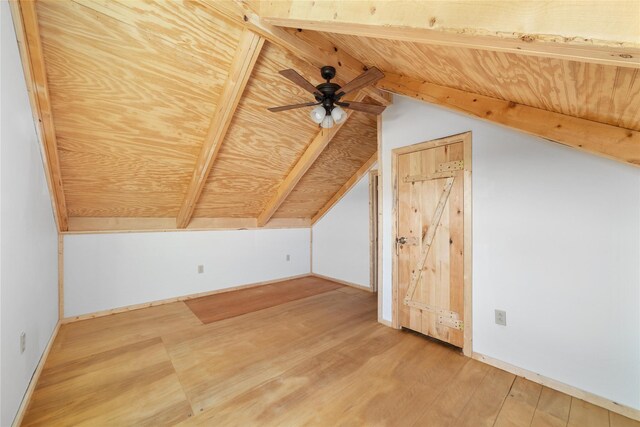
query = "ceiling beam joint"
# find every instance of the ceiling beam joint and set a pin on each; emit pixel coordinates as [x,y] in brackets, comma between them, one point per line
[536,28]
[310,155]
[25,19]
[305,47]
[351,182]
[593,137]
[243,62]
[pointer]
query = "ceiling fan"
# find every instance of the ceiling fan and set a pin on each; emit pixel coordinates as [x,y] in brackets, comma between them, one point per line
[328,95]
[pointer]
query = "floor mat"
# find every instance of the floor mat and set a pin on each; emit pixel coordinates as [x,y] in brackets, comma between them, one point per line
[221,306]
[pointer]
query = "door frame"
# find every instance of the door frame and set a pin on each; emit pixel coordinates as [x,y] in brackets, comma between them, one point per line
[465,139]
[374,231]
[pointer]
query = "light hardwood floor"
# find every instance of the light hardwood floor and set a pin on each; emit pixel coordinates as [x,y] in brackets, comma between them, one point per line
[320,360]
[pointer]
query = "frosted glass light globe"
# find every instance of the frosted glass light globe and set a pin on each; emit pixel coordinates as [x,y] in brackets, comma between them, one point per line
[338,114]
[327,122]
[318,114]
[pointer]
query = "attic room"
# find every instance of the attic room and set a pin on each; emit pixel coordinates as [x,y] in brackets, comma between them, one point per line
[292,212]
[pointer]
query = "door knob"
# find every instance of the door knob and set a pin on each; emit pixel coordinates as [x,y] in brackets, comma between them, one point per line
[401,240]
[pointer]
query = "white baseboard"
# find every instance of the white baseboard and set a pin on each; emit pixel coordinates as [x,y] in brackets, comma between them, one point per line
[17,421]
[175,299]
[559,386]
[343,282]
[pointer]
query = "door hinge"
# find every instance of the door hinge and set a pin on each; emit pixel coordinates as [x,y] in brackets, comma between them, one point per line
[451,323]
[454,165]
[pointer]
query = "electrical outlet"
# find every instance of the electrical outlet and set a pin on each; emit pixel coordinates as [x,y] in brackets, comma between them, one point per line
[23,342]
[288,257]
[200,269]
[501,317]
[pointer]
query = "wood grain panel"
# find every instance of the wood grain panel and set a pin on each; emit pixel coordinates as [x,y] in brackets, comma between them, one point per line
[77,340]
[599,32]
[260,146]
[244,60]
[520,405]
[347,186]
[552,409]
[320,360]
[133,85]
[601,93]
[352,146]
[301,167]
[84,389]
[585,414]
[133,89]
[27,30]
[184,23]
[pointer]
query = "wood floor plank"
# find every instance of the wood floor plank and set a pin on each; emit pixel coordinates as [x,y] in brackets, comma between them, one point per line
[486,402]
[552,410]
[400,383]
[222,306]
[322,359]
[276,402]
[520,404]
[255,350]
[447,407]
[131,385]
[584,414]
[79,339]
[413,398]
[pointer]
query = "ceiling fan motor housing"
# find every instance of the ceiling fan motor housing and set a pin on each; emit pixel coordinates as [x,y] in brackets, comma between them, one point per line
[328,89]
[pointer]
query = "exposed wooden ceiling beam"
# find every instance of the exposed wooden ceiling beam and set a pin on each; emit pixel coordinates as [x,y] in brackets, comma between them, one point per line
[303,164]
[310,50]
[135,224]
[345,188]
[597,138]
[28,33]
[243,62]
[606,32]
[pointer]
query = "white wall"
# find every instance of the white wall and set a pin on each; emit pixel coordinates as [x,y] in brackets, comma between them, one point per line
[29,248]
[556,243]
[341,238]
[105,271]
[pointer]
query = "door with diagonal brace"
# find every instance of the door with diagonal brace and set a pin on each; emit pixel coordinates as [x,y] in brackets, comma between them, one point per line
[430,197]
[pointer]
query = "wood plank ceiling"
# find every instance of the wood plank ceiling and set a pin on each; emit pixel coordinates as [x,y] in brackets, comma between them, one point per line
[134,87]
[132,98]
[602,93]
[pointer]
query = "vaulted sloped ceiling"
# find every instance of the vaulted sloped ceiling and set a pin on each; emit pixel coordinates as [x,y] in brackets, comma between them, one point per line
[346,153]
[130,99]
[260,147]
[603,93]
[133,86]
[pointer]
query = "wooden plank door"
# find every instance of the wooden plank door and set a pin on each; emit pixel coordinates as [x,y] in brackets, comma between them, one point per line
[430,240]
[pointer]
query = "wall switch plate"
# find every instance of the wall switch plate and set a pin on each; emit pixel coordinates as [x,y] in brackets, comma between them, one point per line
[288,257]
[501,317]
[23,342]
[200,269]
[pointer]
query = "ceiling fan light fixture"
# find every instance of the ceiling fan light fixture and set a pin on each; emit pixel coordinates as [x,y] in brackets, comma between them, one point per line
[338,115]
[328,95]
[327,122]
[318,114]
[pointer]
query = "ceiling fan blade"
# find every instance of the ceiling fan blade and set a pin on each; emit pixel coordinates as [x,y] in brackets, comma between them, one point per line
[370,76]
[300,81]
[291,107]
[365,108]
